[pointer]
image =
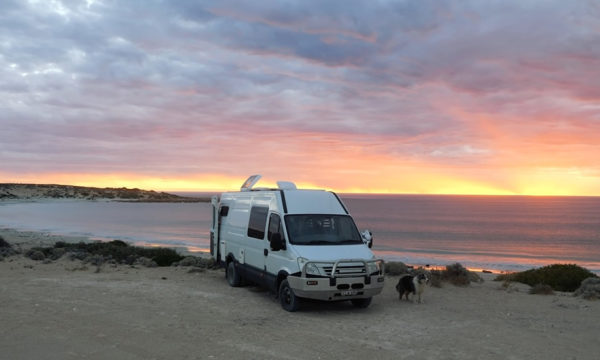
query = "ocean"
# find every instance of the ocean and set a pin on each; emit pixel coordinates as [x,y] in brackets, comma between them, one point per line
[497,233]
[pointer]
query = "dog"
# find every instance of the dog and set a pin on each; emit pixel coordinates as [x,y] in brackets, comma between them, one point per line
[412,284]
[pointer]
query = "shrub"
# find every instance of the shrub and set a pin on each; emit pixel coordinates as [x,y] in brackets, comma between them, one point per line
[560,277]
[120,251]
[457,274]
[144,261]
[4,243]
[436,278]
[57,253]
[589,289]
[188,261]
[395,268]
[6,249]
[541,289]
[35,254]
[162,256]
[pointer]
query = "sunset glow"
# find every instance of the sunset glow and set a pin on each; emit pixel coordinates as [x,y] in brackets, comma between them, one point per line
[386,97]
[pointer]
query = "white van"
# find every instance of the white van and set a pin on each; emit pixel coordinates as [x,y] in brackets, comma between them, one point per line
[298,243]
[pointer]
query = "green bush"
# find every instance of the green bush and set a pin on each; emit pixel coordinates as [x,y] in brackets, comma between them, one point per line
[162,256]
[4,243]
[456,274]
[121,252]
[589,289]
[395,268]
[436,278]
[560,277]
[541,289]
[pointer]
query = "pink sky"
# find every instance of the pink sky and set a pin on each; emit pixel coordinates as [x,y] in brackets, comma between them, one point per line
[434,97]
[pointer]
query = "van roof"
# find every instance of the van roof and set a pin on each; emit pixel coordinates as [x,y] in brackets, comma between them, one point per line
[297,201]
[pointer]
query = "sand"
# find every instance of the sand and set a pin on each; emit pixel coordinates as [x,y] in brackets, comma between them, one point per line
[67,310]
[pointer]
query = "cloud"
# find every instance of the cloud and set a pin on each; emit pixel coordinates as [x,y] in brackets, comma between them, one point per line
[190,87]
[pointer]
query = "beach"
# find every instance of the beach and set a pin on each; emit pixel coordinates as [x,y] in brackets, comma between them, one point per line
[69,310]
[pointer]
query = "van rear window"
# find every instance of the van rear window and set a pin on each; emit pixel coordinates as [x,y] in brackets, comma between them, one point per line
[257,222]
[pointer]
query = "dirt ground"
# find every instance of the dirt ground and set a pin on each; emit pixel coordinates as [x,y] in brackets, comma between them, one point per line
[66,310]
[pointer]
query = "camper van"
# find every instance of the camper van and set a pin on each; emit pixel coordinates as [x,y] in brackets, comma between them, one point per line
[299,243]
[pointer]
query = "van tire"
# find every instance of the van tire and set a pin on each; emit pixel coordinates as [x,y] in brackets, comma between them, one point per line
[289,301]
[361,303]
[232,275]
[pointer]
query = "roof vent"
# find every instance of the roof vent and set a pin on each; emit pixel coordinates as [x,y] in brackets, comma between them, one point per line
[286,185]
[250,182]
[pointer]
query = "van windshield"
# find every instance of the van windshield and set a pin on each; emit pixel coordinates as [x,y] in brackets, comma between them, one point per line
[316,229]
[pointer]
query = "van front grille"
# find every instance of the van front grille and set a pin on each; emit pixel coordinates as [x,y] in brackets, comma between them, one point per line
[346,270]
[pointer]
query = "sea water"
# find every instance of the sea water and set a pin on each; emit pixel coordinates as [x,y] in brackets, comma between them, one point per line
[485,232]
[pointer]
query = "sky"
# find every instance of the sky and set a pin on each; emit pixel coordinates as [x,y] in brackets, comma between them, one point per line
[418,97]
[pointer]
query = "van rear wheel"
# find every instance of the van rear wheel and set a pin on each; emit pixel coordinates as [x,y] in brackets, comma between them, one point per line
[361,303]
[233,277]
[289,301]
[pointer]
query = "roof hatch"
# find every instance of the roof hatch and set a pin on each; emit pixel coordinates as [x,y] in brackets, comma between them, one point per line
[248,185]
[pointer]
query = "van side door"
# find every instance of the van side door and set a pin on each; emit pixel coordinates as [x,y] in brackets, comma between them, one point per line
[254,259]
[275,258]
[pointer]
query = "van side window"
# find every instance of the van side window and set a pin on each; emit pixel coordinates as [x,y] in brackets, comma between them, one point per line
[224,210]
[274,226]
[258,221]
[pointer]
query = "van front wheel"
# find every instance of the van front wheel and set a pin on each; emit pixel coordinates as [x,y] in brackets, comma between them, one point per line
[289,301]
[233,278]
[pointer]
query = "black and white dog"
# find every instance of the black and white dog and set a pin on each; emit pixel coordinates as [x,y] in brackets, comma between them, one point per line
[412,284]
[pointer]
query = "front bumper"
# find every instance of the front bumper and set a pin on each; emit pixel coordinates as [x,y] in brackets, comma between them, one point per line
[339,285]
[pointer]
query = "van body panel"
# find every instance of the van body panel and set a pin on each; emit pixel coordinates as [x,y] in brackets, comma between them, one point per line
[247,221]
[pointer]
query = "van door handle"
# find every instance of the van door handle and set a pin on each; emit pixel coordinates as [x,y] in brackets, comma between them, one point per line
[266,252]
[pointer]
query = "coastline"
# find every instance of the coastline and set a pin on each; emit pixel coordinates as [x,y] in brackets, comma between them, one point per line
[65,309]
[31,238]
[185,226]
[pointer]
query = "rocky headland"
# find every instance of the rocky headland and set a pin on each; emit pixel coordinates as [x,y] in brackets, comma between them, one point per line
[9,191]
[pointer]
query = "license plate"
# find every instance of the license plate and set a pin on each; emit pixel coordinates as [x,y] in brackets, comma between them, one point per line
[348,292]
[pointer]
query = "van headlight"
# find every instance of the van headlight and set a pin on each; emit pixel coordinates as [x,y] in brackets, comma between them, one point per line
[309,268]
[373,267]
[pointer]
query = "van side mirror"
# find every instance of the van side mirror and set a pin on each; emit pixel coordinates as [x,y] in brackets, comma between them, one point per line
[367,237]
[277,242]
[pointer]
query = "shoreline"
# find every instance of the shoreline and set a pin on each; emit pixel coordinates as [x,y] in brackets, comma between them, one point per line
[188,233]
[66,309]
[25,239]
[35,238]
